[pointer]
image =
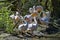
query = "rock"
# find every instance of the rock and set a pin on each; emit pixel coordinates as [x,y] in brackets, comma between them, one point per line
[38,33]
[4,35]
[12,38]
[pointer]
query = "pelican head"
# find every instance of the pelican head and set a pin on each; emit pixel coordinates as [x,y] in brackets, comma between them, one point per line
[30,10]
[17,13]
[39,8]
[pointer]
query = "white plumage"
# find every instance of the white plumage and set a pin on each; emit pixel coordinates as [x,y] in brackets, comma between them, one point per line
[12,16]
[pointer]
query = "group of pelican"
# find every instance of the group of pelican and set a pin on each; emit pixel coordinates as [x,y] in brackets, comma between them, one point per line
[29,23]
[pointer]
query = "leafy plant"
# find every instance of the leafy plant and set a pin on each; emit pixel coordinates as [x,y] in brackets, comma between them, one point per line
[5,21]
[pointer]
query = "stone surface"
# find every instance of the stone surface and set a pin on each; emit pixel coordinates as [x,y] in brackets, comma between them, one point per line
[5,36]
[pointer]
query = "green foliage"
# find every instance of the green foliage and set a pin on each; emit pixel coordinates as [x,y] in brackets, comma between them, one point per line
[23,1]
[5,21]
[43,2]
